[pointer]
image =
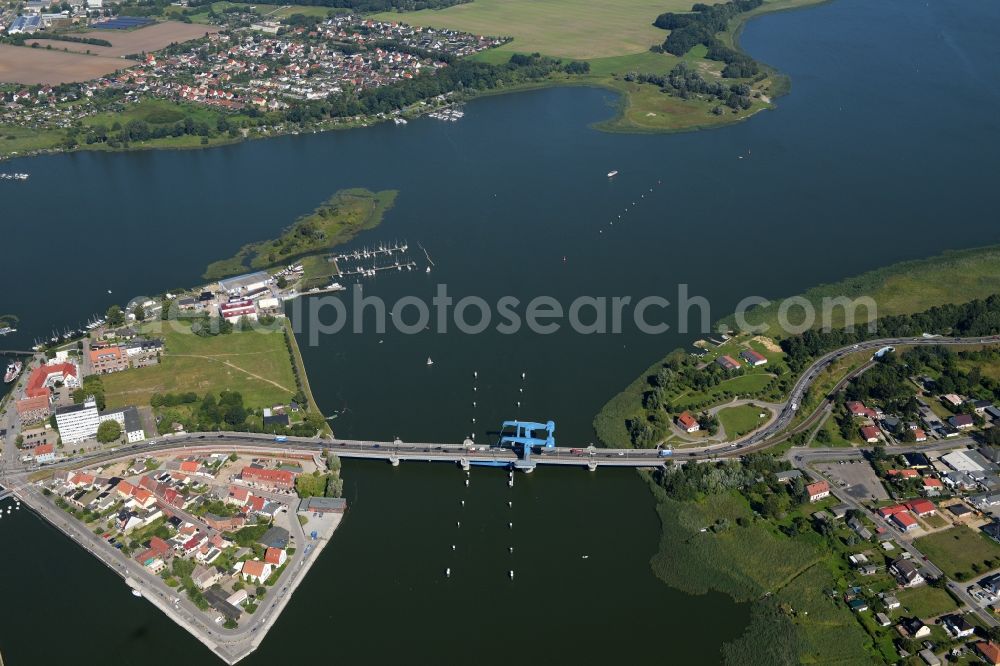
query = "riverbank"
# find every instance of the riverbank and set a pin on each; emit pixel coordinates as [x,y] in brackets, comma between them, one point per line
[642,107]
[904,288]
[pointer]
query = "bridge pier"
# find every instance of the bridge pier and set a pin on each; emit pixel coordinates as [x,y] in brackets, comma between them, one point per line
[592,466]
[464,464]
[394,461]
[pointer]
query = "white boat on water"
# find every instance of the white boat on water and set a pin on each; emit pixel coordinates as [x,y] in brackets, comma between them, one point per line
[612,174]
[136,593]
[429,361]
[13,370]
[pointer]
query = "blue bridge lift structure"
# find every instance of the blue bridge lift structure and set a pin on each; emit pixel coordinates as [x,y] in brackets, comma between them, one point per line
[526,436]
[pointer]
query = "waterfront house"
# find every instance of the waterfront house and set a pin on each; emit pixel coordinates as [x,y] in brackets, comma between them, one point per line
[275,556]
[107,360]
[256,571]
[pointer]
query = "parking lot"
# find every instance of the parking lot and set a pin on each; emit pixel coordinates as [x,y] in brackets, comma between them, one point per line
[856,478]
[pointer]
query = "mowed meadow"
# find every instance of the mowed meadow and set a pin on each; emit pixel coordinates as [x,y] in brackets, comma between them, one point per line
[580,29]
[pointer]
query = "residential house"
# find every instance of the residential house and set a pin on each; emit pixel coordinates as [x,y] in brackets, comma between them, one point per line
[906,573]
[870,434]
[106,360]
[275,556]
[687,423]
[932,486]
[957,626]
[205,577]
[275,479]
[989,651]
[817,491]
[256,571]
[44,453]
[224,523]
[905,521]
[914,628]
[858,409]
[961,421]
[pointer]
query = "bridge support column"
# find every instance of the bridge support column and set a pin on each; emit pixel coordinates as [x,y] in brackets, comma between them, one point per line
[394,461]
[464,464]
[592,466]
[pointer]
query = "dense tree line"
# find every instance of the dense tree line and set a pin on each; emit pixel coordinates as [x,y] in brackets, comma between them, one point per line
[700,27]
[976,318]
[685,82]
[20,38]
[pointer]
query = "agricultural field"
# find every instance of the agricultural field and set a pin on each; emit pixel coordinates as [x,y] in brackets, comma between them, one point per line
[128,42]
[960,552]
[579,29]
[257,364]
[21,64]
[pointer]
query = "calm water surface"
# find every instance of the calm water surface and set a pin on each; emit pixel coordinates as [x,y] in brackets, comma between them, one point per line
[885,150]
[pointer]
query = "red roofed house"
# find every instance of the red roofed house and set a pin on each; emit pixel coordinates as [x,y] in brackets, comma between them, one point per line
[275,556]
[922,507]
[269,478]
[194,543]
[149,483]
[727,362]
[255,504]
[107,360]
[30,410]
[125,489]
[687,422]
[870,434]
[159,546]
[919,435]
[887,511]
[143,498]
[752,357]
[256,571]
[81,479]
[190,466]
[932,486]
[237,495]
[46,376]
[858,409]
[44,453]
[989,651]
[904,473]
[173,498]
[905,521]
[817,491]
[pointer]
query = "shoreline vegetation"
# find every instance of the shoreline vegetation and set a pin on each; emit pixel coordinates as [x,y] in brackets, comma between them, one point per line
[957,288]
[659,91]
[336,221]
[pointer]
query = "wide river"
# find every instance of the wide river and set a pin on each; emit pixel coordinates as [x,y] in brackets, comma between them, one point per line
[885,150]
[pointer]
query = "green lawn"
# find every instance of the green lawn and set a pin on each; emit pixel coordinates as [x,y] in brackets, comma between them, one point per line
[18,140]
[256,364]
[926,601]
[741,420]
[743,384]
[956,550]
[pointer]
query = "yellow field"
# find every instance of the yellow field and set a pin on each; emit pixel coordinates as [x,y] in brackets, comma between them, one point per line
[563,28]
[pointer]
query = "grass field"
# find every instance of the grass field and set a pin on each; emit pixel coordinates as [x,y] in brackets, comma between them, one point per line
[904,288]
[256,364]
[741,420]
[20,139]
[579,29]
[956,550]
[926,601]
